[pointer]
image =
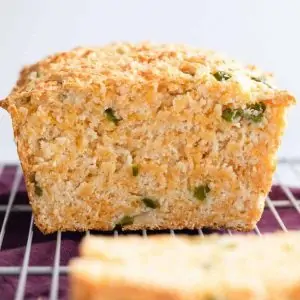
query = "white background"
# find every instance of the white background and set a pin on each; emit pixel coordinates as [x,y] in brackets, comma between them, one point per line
[262,32]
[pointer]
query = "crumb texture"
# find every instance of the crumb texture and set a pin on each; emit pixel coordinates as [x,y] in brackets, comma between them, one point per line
[146,136]
[197,268]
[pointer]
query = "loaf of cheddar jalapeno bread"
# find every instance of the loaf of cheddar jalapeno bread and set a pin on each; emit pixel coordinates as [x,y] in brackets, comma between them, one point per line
[180,268]
[146,136]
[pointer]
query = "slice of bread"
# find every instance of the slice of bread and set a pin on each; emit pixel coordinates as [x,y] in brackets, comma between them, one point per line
[146,137]
[181,268]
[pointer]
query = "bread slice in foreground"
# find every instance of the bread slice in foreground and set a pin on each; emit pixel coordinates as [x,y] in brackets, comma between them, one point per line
[181,268]
[146,137]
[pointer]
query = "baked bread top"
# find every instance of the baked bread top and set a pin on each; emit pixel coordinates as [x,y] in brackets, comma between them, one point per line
[176,68]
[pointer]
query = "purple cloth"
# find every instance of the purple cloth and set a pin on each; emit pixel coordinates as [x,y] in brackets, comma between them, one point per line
[43,247]
[42,254]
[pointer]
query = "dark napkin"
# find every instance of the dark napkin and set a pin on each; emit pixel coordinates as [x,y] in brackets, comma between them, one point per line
[42,254]
[43,247]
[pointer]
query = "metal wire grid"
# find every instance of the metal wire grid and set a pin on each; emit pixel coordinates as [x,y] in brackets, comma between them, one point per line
[57,269]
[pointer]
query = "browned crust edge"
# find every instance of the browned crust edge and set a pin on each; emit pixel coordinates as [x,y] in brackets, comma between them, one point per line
[4,104]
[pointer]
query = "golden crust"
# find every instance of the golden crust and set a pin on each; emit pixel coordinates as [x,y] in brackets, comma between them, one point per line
[235,268]
[3,104]
[178,64]
[81,162]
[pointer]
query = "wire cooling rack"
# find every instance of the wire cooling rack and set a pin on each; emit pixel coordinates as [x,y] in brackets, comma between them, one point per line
[18,233]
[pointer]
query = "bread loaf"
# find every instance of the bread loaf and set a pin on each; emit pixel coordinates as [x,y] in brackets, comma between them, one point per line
[209,268]
[146,137]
